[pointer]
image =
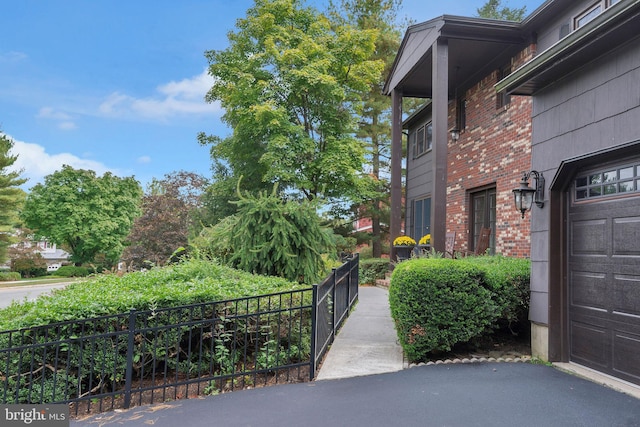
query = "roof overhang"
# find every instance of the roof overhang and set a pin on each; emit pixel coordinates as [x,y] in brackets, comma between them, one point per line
[614,27]
[476,46]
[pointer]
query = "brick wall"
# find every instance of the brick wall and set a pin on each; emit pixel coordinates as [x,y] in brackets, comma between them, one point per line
[493,151]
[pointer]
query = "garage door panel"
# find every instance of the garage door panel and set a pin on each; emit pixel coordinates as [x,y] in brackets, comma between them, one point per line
[626,296]
[589,237]
[626,236]
[625,358]
[603,297]
[587,289]
[589,344]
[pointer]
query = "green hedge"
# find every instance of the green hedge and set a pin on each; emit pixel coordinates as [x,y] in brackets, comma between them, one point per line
[437,303]
[71,271]
[372,269]
[9,276]
[508,278]
[234,345]
[188,282]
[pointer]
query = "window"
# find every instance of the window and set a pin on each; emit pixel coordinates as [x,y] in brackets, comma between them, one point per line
[483,214]
[422,139]
[421,218]
[593,11]
[610,182]
[461,114]
[503,98]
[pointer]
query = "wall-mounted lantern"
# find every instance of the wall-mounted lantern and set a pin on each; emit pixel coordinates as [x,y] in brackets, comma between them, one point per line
[455,134]
[525,196]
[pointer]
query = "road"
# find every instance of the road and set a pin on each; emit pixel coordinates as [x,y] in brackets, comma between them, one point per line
[31,292]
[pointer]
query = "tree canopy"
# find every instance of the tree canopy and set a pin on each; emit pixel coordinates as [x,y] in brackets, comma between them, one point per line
[170,213]
[493,9]
[85,214]
[11,197]
[290,85]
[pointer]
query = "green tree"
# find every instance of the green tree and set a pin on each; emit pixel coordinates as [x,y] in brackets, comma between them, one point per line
[374,124]
[493,9]
[11,197]
[85,214]
[290,85]
[272,237]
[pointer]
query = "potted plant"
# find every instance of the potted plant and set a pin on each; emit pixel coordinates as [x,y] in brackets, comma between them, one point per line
[425,243]
[403,246]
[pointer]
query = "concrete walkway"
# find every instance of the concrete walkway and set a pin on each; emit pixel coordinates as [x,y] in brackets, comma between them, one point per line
[367,343]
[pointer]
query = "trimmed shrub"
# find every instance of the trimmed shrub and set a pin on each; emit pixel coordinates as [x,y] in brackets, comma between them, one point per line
[9,276]
[509,279]
[437,303]
[373,269]
[71,271]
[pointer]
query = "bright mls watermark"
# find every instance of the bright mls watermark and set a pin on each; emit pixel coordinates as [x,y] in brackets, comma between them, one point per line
[34,415]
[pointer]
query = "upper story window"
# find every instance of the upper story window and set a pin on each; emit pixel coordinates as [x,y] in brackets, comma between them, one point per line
[503,98]
[461,114]
[422,139]
[593,11]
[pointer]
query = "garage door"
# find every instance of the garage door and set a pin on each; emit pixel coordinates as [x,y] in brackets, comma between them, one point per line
[604,271]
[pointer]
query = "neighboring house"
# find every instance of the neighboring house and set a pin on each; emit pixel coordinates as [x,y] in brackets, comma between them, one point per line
[558,93]
[54,257]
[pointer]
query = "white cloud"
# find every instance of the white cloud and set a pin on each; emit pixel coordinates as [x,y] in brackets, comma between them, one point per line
[64,120]
[66,125]
[185,97]
[36,163]
[12,56]
[144,159]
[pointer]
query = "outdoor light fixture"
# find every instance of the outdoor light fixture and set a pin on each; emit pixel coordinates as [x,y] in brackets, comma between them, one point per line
[455,134]
[524,196]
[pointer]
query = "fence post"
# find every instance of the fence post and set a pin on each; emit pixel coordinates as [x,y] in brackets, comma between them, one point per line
[334,283]
[129,370]
[314,331]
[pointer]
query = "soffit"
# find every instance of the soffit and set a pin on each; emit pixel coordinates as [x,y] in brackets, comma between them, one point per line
[616,26]
[476,47]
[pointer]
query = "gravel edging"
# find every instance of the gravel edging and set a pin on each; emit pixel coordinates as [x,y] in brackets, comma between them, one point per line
[520,359]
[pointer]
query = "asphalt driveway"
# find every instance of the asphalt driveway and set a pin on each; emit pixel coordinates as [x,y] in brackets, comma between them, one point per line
[477,394]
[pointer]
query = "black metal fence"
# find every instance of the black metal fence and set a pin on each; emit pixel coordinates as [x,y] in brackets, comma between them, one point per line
[149,356]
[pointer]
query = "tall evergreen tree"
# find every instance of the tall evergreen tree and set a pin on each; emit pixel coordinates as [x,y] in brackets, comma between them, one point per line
[493,9]
[11,197]
[374,124]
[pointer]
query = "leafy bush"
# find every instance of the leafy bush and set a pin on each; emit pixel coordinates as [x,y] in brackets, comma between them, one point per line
[71,271]
[373,269]
[230,337]
[9,276]
[508,278]
[437,303]
[367,251]
[29,264]
[188,282]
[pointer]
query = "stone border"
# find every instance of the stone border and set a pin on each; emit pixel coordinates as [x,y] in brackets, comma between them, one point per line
[520,359]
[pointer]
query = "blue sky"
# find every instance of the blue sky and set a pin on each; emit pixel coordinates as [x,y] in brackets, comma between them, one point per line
[118,85]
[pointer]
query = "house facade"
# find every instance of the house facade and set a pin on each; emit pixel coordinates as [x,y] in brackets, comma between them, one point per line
[557,94]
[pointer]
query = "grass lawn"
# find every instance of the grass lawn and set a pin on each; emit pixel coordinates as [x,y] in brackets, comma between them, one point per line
[38,281]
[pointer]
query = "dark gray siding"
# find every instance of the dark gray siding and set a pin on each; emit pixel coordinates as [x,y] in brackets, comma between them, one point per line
[553,31]
[596,107]
[419,176]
